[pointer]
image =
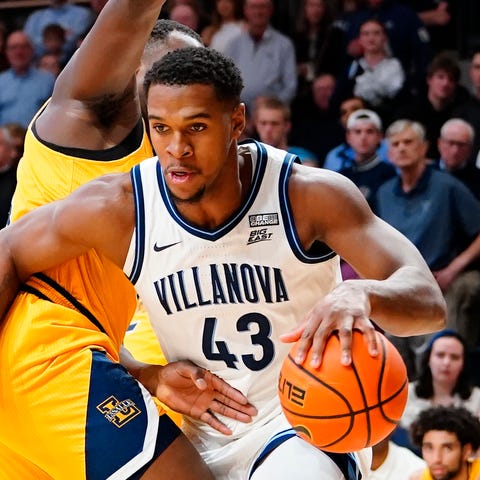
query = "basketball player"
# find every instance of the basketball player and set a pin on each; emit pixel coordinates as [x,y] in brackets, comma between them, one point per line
[229,261]
[92,126]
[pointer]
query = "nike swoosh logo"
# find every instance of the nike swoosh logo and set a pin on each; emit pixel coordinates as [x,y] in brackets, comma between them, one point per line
[164,247]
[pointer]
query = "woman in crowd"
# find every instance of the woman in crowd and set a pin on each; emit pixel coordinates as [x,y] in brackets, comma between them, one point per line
[444,379]
[227,22]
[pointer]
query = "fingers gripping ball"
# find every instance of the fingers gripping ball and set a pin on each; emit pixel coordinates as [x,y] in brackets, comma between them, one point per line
[345,408]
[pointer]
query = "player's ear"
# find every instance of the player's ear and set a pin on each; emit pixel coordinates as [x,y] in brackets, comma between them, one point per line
[467,451]
[238,120]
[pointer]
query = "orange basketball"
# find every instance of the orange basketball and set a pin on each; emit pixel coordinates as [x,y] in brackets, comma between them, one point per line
[345,408]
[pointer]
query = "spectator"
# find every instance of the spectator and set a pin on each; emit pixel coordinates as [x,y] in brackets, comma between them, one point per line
[449,438]
[3,42]
[393,462]
[314,118]
[187,14]
[272,123]
[455,145]
[436,107]
[8,179]
[444,379]
[49,62]
[368,171]
[408,38]
[319,44]
[474,72]
[23,88]
[227,22]
[442,218]
[376,77]
[74,19]
[439,18]
[17,136]
[54,42]
[284,12]
[469,110]
[343,156]
[265,56]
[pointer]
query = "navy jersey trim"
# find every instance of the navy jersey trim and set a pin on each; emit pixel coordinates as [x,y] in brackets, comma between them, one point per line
[345,461]
[319,252]
[227,226]
[136,177]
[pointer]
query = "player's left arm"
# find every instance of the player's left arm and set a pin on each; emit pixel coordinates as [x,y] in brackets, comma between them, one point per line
[396,290]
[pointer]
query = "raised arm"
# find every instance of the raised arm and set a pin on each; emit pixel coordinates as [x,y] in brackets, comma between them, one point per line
[98,83]
[397,290]
[98,215]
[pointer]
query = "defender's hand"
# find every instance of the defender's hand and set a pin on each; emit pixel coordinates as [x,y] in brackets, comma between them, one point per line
[198,393]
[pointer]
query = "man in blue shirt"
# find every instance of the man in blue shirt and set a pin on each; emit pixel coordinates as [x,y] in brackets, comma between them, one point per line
[23,88]
[74,19]
[440,215]
[265,56]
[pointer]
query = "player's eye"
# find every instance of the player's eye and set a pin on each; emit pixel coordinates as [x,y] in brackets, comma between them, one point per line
[160,128]
[198,127]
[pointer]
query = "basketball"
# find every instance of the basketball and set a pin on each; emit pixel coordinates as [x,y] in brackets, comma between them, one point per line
[342,408]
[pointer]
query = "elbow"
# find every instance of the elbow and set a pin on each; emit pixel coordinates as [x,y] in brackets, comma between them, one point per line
[439,314]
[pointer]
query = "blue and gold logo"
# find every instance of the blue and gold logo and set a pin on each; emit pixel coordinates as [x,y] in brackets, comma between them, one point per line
[118,412]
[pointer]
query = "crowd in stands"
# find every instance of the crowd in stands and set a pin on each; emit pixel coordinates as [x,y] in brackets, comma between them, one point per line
[368,88]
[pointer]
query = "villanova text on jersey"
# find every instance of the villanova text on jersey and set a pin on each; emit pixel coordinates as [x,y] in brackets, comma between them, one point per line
[226,283]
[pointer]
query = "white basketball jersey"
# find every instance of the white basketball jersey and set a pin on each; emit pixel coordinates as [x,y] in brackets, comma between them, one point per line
[221,298]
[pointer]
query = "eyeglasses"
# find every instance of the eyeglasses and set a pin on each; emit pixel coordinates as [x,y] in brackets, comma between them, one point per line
[456,143]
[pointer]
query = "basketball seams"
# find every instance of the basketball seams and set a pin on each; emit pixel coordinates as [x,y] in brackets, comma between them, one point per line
[353,428]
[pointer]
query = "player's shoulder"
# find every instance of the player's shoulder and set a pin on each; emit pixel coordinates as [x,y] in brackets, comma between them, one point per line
[106,188]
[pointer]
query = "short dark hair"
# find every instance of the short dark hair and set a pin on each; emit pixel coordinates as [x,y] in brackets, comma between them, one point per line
[446,63]
[457,420]
[193,65]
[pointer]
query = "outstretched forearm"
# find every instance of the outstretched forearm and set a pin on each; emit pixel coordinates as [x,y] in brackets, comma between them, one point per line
[110,54]
[409,302]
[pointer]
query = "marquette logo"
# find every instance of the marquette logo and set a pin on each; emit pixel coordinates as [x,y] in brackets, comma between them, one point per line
[263,219]
[118,412]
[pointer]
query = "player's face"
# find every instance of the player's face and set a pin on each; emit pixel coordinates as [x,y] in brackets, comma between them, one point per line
[445,456]
[271,126]
[194,135]
[446,360]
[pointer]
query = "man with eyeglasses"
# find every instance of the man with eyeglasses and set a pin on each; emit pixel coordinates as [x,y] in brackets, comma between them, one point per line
[455,145]
[440,215]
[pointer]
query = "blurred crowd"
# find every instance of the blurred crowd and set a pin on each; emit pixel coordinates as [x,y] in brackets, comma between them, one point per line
[372,89]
